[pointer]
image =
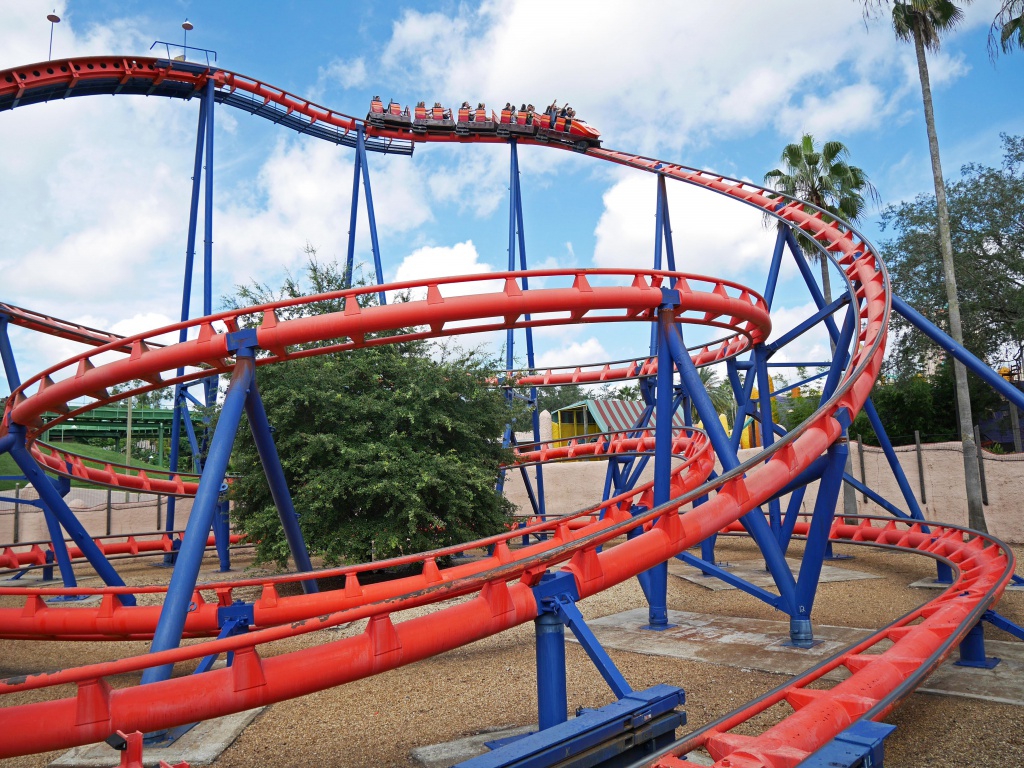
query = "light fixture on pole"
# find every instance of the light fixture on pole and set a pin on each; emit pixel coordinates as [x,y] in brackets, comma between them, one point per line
[54,19]
[187,26]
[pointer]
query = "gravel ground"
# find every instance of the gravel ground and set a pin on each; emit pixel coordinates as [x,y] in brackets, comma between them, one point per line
[492,682]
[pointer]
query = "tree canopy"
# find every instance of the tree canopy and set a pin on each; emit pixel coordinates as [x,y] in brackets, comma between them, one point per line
[824,178]
[387,450]
[986,209]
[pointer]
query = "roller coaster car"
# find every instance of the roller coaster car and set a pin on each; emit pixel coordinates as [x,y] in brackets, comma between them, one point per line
[506,127]
[579,134]
[432,120]
[393,116]
[479,123]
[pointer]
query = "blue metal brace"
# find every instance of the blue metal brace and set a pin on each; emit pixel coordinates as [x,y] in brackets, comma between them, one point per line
[60,513]
[362,168]
[171,624]
[972,647]
[862,745]
[272,468]
[556,597]
[720,441]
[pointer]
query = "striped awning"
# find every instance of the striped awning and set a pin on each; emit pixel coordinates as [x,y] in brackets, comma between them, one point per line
[618,415]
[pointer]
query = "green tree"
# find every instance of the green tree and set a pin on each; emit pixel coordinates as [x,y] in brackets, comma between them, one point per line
[986,215]
[923,23]
[551,399]
[387,449]
[824,178]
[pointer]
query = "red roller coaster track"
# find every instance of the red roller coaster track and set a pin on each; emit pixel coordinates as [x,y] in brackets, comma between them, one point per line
[500,585]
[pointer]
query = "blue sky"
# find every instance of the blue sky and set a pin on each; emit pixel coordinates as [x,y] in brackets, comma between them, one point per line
[95,190]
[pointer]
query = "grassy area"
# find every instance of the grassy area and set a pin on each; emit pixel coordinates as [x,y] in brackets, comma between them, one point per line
[8,467]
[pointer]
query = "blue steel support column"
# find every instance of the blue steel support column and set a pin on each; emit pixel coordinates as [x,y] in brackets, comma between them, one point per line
[53,501]
[657,577]
[773,270]
[352,217]
[210,387]
[817,541]
[7,356]
[179,593]
[552,702]
[720,441]
[361,149]
[530,360]
[666,225]
[180,408]
[271,462]
[507,438]
[767,427]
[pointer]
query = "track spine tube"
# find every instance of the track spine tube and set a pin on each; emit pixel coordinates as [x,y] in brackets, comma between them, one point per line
[193,545]
[53,502]
[261,434]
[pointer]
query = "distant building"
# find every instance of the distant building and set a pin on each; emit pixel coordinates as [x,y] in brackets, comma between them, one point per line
[589,417]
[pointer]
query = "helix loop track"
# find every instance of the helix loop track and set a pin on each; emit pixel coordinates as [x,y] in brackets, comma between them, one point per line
[496,591]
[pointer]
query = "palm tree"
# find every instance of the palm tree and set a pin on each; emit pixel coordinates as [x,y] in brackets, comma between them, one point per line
[923,22]
[1007,31]
[825,179]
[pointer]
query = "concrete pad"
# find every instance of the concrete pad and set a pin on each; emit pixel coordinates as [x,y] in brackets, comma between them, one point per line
[754,572]
[200,746]
[34,578]
[452,752]
[759,644]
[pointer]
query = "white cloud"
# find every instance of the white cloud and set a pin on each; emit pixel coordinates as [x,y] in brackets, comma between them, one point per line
[851,108]
[436,261]
[733,64]
[345,73]
[586,352]
[712,234]
[812,346]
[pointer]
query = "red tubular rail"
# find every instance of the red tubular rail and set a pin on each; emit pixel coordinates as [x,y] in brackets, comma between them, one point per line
[111,620]
[984,565]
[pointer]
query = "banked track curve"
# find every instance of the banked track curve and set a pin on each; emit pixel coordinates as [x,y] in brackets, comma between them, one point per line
[501,587]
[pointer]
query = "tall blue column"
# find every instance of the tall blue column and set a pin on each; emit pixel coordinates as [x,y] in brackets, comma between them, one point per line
[350,255]
[754,520]
[180,408]
[271,462]
[657,577]
[831,484]
[552,701]
[179,593]
[375,246]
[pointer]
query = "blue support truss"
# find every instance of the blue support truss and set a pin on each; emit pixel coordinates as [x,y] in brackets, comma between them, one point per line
[637,724]
[361,169]
[517,242]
